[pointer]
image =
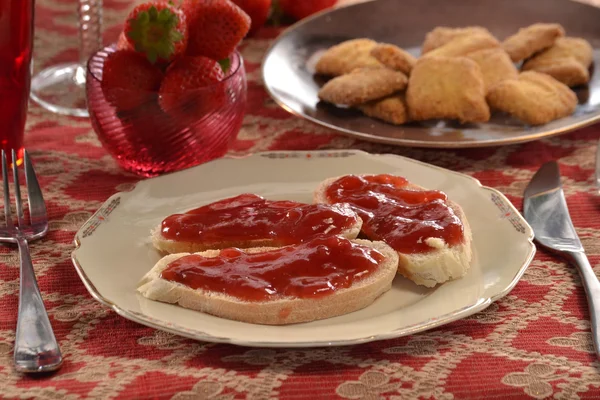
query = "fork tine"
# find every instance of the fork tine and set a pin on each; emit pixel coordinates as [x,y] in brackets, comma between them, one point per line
[15,171]
[37,206]
[7,213]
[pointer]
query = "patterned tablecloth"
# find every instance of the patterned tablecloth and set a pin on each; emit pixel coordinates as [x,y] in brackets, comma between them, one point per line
[535,342]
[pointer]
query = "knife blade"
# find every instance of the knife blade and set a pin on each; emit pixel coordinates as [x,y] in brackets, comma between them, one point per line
[545,209]
[597,175]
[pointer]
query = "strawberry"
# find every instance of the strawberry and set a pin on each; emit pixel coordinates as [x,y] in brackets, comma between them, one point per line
[215,27]
[258,10]
[129,80]
[157,30]
[191,87]
[299,9]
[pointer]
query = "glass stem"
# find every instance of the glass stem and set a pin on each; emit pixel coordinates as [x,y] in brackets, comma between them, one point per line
[90,28]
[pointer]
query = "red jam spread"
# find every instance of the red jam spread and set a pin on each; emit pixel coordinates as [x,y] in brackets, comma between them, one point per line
[315,268]
[251,217]
[401,217]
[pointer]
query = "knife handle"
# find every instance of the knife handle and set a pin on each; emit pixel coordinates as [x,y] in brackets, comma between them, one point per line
[592,291]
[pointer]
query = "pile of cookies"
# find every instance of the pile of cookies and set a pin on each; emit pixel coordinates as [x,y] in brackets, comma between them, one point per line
[462,74]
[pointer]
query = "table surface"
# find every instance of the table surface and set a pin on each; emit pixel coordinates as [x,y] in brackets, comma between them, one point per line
[535,342]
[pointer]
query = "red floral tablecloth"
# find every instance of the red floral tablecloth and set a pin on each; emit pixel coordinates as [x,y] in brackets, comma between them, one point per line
[535,342]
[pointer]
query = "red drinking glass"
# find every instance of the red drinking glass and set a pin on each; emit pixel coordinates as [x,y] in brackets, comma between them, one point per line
[16,44]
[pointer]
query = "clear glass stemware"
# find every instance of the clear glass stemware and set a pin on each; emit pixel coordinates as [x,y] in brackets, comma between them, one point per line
[60,88]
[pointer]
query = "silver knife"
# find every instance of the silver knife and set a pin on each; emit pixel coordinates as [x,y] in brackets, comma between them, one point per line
[545,208]
[598,166]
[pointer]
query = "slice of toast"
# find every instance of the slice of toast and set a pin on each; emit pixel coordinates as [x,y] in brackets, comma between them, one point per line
[281,310]
[441,264]
[170,246]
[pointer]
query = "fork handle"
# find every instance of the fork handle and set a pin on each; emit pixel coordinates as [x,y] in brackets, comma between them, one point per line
[592,290]
[36,348]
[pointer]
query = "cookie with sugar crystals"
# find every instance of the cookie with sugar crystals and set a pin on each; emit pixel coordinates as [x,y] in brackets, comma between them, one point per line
[464,45]
[392,109]
[529,40]
[495,65]
[441,35]
[447,88]
[534,98]
[394,57]
[347,56]
[363,85]
[567,61]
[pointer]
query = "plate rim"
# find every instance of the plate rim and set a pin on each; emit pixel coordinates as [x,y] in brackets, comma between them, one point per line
[404,142]
[422,326]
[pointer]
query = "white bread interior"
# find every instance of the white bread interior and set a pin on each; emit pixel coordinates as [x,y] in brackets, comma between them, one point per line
[437,266]
[281,311]
[173,247]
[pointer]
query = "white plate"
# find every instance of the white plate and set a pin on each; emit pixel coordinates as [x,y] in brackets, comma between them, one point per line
[114,251]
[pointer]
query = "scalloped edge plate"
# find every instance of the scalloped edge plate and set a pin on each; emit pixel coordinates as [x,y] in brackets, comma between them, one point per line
[113,248]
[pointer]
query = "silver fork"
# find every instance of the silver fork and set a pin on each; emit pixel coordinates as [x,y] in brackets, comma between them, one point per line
[36,348]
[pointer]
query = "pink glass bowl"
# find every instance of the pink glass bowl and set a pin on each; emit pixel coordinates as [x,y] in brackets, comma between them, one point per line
[148,141]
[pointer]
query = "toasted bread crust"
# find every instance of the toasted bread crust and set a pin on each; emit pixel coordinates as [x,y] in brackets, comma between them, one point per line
[431,268]
[285,310]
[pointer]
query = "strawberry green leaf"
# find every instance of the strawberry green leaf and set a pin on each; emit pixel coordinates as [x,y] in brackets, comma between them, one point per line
[225,64]
[155,33]
[276,14]
[176,36]
[164,16]
[152,56]
[153,13]
[144,18]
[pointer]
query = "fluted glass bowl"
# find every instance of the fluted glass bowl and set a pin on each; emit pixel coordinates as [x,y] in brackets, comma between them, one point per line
[148,141]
